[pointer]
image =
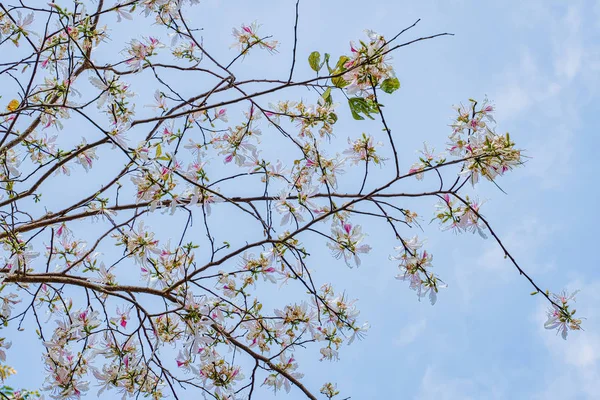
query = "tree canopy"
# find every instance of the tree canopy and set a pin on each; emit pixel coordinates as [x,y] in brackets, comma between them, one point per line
[166,214]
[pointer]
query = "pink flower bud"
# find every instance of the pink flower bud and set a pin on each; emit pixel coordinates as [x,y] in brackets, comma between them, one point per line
[347,228]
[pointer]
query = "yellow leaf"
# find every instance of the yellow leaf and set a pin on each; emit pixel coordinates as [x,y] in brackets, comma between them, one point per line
[6,371]
[12,105]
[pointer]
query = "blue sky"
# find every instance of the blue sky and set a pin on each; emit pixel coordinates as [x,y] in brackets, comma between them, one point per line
[539,63]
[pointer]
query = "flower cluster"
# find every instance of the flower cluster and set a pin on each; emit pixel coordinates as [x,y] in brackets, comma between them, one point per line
[140,51]
[70,253]
[341,314]
[307,116]
[10,162]
[459,216]
[277,380]
[363,149]
[126,369]
[427,160]
[218,375]
[164,10]
[287,208]
[368,64]
[140,243]
[247,37]
[560,317]
[346,241]
[16,30]
[114,94]
[4,344]
[188,51]
[415,265]
[235,144]
[488,154]
[85,155]
[6,25]
[330,390]
[20,254]
[317,169]
[41,148]
[67,369]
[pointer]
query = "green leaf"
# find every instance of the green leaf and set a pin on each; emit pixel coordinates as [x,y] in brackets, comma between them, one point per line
[7,390]
[339,82]
[355,115]
[314,60]
[340,64]
[358,106]
[390,85]
[325,61]
[327,96]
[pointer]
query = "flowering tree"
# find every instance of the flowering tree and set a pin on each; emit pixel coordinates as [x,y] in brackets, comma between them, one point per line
[129,279]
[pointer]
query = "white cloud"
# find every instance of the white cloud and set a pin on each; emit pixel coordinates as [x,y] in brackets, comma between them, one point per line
[513,99]
[410,333]
[435,385]
[568,46]
[546,89]
[524,85]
